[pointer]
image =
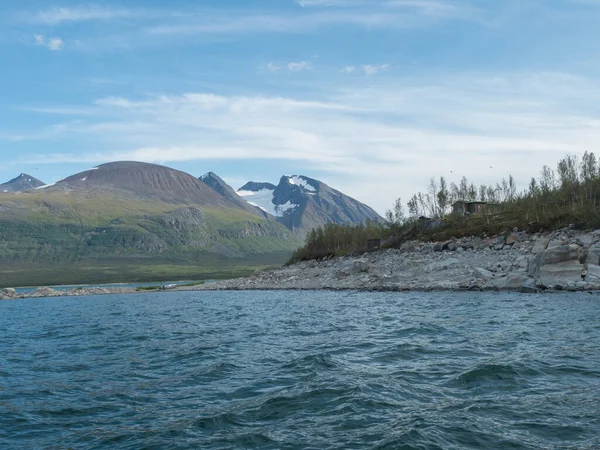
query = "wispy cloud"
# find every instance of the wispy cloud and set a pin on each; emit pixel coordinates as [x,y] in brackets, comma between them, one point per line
[52,43]
[349,69]
[374,69]
[393,133]
[431,7]
[298,66]
[55,16]
[390,15]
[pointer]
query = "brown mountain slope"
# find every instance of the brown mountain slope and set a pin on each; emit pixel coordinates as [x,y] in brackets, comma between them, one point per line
[150,181]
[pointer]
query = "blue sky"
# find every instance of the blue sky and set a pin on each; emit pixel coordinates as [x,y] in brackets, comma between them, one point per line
[371,96]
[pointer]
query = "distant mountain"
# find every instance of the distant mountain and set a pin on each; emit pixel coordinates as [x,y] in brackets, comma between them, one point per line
[216,183]
[128,221]
[21,183]
[302,203]
[150,181]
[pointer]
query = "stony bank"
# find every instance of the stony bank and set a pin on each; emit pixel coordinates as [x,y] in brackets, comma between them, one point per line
[565,259]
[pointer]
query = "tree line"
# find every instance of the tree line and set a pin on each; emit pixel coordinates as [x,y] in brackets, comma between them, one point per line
[570,192]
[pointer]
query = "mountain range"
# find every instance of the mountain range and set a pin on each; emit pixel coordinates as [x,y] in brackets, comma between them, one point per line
[132,221]
[302,203]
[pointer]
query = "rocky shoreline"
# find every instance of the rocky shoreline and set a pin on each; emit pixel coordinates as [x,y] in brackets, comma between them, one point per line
[43,292]
[564,260]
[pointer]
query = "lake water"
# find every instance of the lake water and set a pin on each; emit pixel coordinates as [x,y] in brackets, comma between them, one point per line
[286,370]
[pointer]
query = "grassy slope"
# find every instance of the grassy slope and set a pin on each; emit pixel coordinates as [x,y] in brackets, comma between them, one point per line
[77,237]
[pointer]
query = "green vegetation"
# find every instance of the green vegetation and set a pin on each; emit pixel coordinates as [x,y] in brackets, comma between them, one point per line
[73,237]
[569,195]
[336,240]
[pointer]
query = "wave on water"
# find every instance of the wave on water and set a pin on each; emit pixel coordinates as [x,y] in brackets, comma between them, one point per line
[319,370]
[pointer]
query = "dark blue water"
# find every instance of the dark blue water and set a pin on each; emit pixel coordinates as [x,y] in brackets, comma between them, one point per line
[222,370]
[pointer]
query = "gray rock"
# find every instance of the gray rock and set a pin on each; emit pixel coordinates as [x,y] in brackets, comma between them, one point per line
[593,254]
[43,292]
[8,293]
[593,273]
[443,264]
[360,265]
[540,245]
[483,273]
[529,287]
[500,241]
[514,281]
[560,253]
[560,273]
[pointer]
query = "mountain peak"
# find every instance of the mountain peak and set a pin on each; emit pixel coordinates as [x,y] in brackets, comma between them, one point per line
[216,183]
[22,182]
[147,181]
[301,203]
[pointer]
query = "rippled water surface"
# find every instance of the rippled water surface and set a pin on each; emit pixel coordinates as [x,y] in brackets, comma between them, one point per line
[318,370]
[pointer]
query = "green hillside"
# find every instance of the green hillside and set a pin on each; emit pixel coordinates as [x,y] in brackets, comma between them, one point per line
[57,236]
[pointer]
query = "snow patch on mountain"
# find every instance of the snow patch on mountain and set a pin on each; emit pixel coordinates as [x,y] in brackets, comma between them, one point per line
[46,186]
[300,181]
[263,199]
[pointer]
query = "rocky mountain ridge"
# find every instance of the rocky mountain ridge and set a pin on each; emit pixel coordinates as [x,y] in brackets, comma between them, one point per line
[302,203]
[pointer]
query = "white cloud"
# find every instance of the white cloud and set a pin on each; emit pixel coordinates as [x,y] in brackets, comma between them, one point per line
[272,67]
[375,142]
[374,69]
[55,16]
[298,66]
[429,7]
[53,43]
[349,69]
[388,15]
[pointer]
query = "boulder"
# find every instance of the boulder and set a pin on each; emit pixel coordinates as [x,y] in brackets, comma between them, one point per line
[592,274]
[560,273]
[540,245]
[511,239]
[475,243]
[8,293]
[446,245]
[360,265]
[560,253]
[593,254]
[557,243]
[483,273]
[529,287]
[514,281]
[500,241]
[585,239]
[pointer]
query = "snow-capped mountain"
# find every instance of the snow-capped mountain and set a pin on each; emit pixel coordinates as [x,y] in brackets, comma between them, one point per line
[21,183]
[217,184]
[302,203]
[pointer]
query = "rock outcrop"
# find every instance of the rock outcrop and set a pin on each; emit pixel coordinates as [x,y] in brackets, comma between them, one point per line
[8,294]
[562,260]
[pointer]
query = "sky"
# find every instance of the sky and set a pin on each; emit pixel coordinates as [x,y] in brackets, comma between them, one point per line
[373,97]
